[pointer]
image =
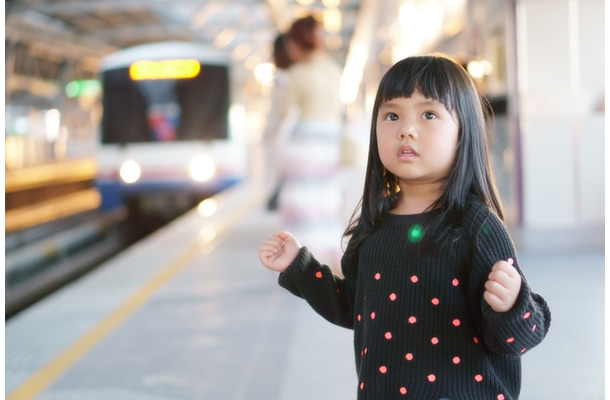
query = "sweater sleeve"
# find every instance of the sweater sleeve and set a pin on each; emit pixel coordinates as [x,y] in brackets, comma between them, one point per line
[526,324]
[328,294]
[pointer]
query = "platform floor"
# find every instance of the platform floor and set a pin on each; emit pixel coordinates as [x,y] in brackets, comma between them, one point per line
[221,328]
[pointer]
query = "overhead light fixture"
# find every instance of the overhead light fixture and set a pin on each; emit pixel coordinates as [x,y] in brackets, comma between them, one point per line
[263,73]
[479,69]
[204,15]
[52,119]
[453,27]
[224,38]
[420,24]
[331,19]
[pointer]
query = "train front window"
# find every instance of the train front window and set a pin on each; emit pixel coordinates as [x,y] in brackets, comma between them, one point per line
[152,110]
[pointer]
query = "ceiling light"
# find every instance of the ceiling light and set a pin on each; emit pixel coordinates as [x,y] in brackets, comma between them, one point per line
[224,38]
[264,74]
[331,18]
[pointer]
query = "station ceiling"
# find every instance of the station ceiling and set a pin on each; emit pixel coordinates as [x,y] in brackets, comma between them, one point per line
[103,26]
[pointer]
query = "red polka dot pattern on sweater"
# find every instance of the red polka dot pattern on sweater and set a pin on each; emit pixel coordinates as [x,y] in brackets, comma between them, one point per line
[456,359]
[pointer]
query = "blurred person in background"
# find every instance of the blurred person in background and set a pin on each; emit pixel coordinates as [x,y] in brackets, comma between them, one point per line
[282,60]
[275,133]
[311,200]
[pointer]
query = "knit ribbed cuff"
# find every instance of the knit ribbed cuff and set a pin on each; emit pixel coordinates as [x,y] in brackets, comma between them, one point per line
[515,331]
[291,276]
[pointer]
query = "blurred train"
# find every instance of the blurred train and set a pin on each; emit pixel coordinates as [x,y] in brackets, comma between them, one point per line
[168,127]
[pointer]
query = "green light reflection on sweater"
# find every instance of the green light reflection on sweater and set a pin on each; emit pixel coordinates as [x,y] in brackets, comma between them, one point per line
[415,233]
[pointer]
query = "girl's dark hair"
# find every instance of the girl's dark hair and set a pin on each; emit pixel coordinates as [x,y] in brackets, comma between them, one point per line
[442,79]
[281,59]
[303,32]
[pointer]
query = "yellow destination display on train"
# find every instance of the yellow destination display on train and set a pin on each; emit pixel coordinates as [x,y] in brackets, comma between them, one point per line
[164,69]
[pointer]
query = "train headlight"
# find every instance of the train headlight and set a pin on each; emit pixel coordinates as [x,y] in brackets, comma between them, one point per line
[130,171]
[202,168]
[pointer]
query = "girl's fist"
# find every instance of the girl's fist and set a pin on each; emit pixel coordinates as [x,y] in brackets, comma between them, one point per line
[503,286]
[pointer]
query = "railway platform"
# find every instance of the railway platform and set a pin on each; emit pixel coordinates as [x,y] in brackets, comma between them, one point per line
[190,313]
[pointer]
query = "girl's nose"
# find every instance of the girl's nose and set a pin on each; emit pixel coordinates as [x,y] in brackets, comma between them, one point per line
[408,132]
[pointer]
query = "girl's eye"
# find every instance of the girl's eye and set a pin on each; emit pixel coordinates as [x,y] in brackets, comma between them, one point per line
[391,117]
[428,115]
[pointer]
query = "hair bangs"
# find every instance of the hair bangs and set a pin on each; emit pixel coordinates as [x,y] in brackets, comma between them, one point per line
[429,75]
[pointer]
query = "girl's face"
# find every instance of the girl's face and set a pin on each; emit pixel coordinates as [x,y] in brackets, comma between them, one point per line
[417,139]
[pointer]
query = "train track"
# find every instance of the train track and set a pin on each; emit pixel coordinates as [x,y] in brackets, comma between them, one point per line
[42,259]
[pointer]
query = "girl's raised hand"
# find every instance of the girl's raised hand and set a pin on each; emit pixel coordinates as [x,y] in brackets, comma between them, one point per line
[503,286]
[278,251]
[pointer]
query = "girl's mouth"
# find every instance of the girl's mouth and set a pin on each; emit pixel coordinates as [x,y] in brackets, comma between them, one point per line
[407,153]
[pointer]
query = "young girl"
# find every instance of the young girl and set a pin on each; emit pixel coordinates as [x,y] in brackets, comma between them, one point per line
[432,285]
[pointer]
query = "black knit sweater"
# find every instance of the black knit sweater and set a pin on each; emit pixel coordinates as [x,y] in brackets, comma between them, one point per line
[422,329]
